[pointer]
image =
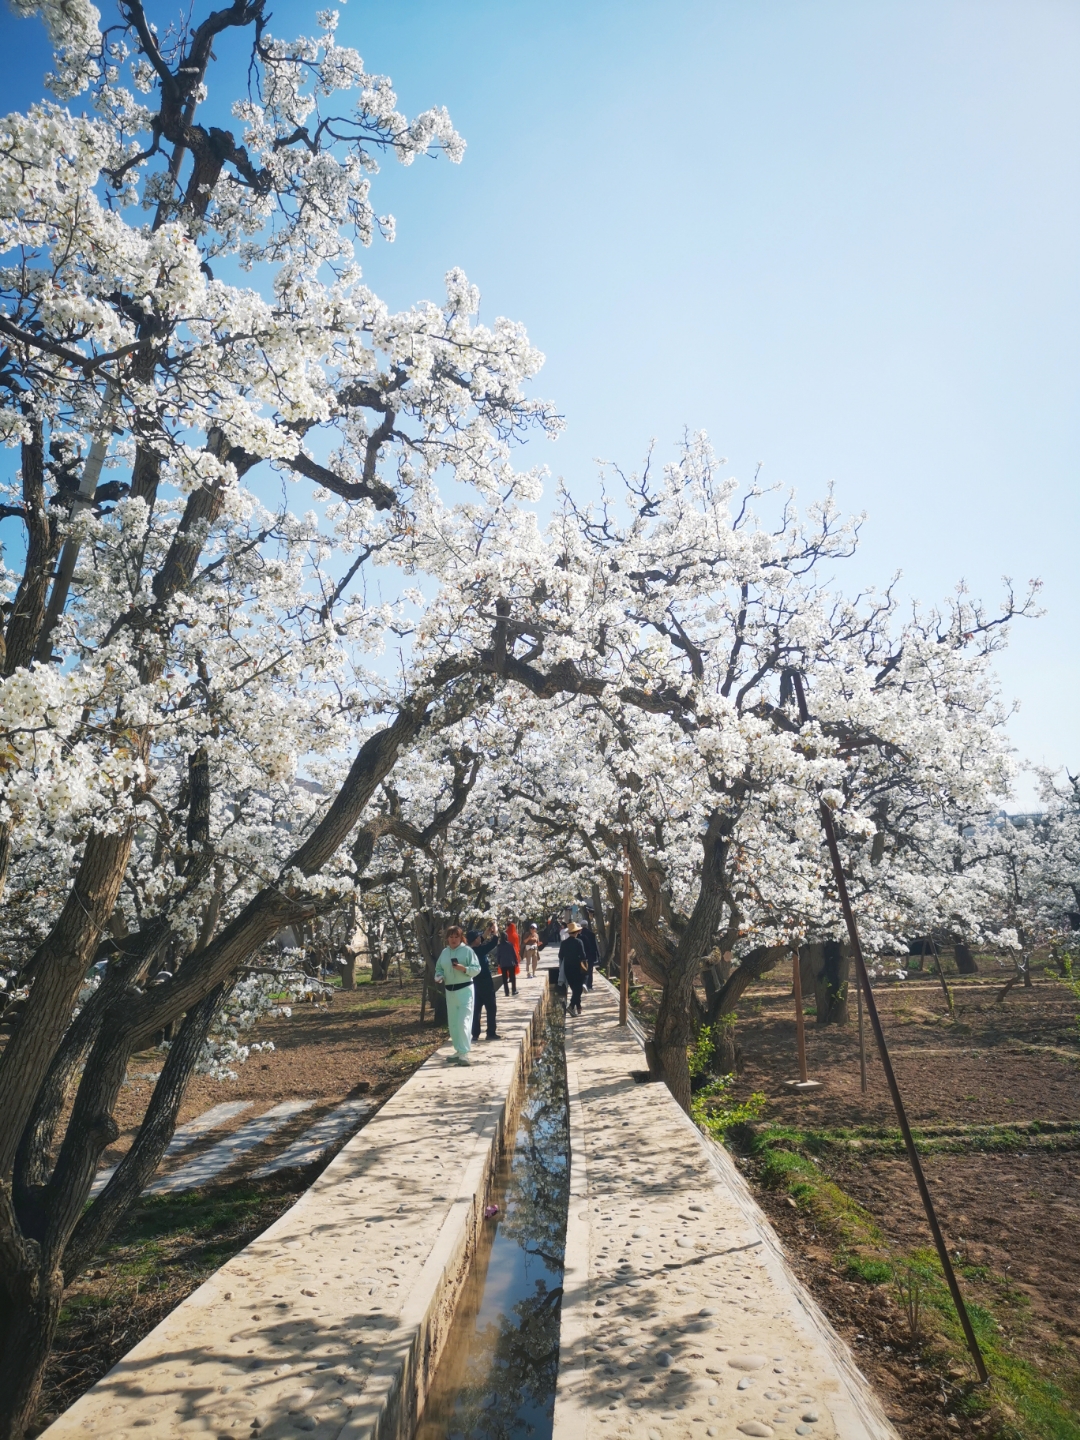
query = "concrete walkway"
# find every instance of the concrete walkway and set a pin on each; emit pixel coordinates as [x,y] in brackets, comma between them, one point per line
[680,1316]
[332,1321]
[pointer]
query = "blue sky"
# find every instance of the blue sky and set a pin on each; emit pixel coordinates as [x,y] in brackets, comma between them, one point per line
[843,238]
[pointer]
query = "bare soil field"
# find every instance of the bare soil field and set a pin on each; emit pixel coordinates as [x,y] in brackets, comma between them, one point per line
[993,1091]
[365,1042]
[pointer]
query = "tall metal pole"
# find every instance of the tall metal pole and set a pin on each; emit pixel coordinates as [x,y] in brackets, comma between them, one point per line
[624,945]
[886,1063]
[862,1042]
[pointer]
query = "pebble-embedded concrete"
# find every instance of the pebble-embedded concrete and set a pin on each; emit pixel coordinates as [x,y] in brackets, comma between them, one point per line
[680,1317]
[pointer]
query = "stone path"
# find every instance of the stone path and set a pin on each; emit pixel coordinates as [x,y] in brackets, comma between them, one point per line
[184,1135]
[307,1149]
[332,1321]
[680,1316]
[219,1157]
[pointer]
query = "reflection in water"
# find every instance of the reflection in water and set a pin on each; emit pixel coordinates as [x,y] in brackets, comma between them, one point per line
[496,1378]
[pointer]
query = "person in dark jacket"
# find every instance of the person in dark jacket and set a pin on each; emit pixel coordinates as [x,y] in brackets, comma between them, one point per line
[592,950]
[507,960]
[483,984]
[575,966]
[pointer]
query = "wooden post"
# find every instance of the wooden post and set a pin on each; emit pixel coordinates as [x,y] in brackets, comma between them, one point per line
[803,1083]
[800,1022]
[624,945]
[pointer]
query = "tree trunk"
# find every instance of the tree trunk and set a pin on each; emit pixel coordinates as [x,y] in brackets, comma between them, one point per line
[42,548]
[32,1242]
[34,1156]
[601,926]
[965,960]
[137,1167]
[750,968]
[28,609]
[426,927]
[715,975]
[29,1310]
[725,983]
[726,1055]
[674,1033]
[348,971]
[58,967]
[831,984]
[809,964]
[675,1018]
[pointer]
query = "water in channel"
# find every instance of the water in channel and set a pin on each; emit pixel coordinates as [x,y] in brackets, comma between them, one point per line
[496,1378]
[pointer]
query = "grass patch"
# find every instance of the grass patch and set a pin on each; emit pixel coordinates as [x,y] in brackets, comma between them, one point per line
[1027,1404]
[365,1007]
[873,1272]
[784,1167]
[931,1139]
[192,1213]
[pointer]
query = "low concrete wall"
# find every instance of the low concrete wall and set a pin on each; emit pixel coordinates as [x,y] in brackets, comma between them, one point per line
[680,1315]
[332,1322]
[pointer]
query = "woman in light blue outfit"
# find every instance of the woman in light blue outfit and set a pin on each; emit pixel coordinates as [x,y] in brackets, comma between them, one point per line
[455,969]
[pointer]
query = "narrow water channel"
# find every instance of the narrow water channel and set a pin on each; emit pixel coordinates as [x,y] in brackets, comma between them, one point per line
[496,1378]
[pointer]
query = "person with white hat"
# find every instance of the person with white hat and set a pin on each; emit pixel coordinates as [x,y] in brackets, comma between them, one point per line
[575,966]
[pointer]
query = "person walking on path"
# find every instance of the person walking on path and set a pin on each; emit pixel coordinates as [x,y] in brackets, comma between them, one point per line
[507,961]
[483,984]
[574,965]
[592,951]
[515,940]
[454,969]
[531,951]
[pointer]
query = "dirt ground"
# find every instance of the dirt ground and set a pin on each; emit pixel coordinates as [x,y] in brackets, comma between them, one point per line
[1008,1201]
[368,1041]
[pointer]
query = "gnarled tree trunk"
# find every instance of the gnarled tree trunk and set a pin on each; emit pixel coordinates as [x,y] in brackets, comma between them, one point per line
[832,972]
[965,960]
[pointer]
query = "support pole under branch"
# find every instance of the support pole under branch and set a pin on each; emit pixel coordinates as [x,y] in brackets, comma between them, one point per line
[624,946]
[800,1020]
[886,1063]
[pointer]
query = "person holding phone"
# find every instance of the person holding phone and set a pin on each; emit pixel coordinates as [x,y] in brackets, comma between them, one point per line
[454,970]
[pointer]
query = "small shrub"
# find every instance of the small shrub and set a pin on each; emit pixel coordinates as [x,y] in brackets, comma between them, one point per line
[910,1287]
[710,1112]
[699,1056]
